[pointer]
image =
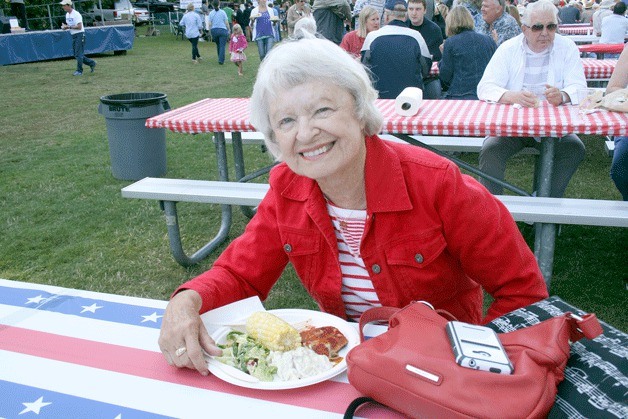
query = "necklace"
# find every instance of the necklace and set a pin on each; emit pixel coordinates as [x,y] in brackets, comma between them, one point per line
[355,214]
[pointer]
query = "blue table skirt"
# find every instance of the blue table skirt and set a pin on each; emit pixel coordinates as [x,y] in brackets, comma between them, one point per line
[46,45]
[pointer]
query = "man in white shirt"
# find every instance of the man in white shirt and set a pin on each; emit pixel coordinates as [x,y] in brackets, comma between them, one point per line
[615,26]
[536,65]
[74,24]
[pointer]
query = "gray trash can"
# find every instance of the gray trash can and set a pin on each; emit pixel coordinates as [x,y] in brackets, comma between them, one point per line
[136,151]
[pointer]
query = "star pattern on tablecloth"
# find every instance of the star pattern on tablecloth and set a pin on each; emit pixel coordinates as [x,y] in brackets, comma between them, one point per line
[91,309]
[35,406]
[35,300]
[151,318]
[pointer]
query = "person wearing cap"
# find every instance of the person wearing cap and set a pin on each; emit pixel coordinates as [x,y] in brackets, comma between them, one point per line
[494,21]
[433,37]
[397,55]
[536,65]
[74,24]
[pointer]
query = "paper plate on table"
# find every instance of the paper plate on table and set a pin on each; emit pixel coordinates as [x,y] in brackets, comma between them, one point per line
[316,319]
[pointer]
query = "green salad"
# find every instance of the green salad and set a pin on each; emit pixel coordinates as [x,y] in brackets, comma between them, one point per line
[244,353]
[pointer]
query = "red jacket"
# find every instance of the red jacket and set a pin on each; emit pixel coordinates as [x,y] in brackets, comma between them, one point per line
[431,234]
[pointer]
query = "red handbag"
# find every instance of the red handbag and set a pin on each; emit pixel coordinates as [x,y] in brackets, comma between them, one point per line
[411,367]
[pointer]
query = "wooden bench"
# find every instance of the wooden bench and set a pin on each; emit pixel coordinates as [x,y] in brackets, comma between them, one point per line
[523,208]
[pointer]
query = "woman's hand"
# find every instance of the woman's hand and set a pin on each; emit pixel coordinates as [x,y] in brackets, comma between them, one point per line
[183,337]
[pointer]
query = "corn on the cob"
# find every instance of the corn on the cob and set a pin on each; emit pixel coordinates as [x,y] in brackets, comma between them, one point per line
[272,332]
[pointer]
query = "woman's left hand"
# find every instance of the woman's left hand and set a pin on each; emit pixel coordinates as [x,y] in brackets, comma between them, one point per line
[553,95]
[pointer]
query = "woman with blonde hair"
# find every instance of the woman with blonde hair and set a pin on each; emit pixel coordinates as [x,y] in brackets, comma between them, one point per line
[369,21]
[466,54]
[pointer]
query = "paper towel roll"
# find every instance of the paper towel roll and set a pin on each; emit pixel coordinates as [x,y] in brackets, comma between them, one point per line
[409,101]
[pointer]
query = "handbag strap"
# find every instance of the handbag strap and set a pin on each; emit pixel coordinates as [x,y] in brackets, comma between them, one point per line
[385,313]
[355,404]
[586,326]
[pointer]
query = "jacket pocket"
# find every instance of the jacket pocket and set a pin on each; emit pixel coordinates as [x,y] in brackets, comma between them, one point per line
[299,242]
[416,251]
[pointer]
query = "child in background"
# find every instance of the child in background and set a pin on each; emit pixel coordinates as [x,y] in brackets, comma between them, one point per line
[237,45]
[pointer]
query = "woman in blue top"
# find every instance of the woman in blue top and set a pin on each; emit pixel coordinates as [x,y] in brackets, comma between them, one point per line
[262,19]
[193,25]
[219,25]
[466,54]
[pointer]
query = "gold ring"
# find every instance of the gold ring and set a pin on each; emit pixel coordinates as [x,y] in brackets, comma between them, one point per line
[181,351]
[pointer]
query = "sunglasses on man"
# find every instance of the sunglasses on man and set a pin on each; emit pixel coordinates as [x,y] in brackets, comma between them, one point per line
[551,27]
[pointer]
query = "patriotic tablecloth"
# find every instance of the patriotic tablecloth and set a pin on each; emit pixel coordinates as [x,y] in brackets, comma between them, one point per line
[585,29]
[68,353]
[435,117]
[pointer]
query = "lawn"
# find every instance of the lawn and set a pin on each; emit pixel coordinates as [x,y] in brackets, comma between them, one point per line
[64,222]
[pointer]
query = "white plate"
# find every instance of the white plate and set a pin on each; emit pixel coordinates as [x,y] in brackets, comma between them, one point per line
[318,319]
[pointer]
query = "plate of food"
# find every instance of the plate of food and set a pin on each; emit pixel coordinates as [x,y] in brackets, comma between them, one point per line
[283,349]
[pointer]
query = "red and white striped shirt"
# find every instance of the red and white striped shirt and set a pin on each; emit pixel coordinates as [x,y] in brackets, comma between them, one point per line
[358,293]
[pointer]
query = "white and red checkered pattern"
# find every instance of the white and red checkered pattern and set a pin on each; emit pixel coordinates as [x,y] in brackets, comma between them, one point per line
[602,48]
[575,29]
[598,69]
[593,69]
[435,117]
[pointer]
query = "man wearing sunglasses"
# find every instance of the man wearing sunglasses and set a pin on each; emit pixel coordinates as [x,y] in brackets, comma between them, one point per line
[537,65]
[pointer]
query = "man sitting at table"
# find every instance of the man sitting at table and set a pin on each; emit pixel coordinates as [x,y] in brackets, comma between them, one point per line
[496,22]
[536,65]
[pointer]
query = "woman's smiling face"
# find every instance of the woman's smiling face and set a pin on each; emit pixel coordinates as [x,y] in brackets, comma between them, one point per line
[317,131]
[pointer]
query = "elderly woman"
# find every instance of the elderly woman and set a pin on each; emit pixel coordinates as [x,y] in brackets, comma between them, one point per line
[466,54]
[364,222]
[368,21]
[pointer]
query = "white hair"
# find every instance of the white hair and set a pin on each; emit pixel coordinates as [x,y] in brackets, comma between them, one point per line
[307,24]
[541,6]
[310,59]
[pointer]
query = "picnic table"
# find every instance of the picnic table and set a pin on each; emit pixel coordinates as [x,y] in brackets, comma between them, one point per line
[594,70]
[436,117]
[601,49]
[73,353]
[576,29]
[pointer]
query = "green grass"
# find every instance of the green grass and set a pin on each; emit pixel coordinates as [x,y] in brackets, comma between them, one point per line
[63,221]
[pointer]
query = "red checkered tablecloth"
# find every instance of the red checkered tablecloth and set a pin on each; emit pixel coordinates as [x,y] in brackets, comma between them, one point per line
[602,48]
[598,69]
[575,29]
[435,117]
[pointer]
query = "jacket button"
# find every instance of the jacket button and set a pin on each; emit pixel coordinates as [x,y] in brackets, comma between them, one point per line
[376,268]
[419,258]
[287,248]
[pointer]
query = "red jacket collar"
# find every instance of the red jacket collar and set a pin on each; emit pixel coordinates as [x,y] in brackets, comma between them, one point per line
[383,193]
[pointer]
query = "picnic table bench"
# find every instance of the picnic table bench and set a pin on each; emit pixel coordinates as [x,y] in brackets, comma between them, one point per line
[523,208]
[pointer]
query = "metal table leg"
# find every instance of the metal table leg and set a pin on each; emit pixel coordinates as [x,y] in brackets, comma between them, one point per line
[172,220]
[545,234]
[240,171]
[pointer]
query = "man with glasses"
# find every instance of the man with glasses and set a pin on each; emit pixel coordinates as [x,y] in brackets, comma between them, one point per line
[536,65]
[494,21]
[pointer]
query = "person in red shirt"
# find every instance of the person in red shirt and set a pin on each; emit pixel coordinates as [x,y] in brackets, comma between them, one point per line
[364,222]
[369,20]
